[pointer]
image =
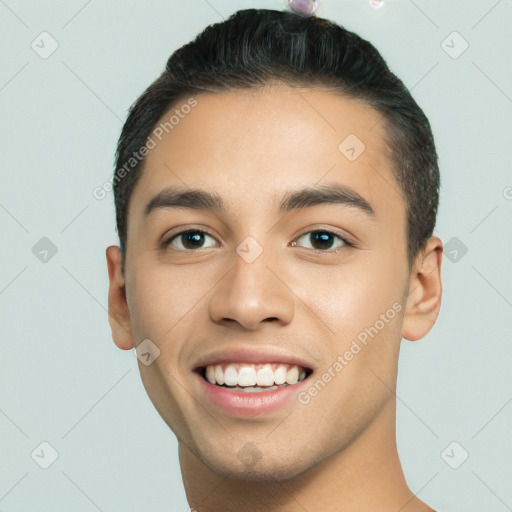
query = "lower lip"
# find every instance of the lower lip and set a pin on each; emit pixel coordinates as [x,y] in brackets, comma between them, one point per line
[244,403]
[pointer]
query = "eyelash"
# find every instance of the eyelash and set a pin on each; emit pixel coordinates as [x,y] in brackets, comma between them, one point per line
[346,243]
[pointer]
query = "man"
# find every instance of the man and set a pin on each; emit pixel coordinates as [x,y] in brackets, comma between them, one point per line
[276,193]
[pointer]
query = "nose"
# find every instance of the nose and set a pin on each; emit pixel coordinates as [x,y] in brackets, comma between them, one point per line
[252,293]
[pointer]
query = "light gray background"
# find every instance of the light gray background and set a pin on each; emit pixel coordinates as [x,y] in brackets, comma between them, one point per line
[62,379]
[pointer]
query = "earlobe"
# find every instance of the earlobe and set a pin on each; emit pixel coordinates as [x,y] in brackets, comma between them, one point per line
[118,313]
[425,291]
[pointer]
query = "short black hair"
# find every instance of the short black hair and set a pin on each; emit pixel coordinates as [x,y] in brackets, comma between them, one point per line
[255,48]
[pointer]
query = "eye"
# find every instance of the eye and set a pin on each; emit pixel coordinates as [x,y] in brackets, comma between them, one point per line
[322,241]
[191,239]
[319,240]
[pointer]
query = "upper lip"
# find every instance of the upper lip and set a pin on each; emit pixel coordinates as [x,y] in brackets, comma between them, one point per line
[254,355]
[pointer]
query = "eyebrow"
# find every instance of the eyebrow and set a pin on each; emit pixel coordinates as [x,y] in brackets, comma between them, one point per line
[197,199]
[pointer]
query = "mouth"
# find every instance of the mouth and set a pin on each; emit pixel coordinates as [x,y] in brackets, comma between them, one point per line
[253,377]
[252,381]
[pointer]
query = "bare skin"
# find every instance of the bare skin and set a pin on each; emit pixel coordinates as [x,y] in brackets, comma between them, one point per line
[337,452]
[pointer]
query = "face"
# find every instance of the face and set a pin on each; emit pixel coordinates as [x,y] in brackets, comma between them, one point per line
[295,268]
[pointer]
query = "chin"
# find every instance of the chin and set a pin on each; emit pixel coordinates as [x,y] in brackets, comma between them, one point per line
[250,465]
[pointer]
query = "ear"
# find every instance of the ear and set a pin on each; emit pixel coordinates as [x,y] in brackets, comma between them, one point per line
[118,313]
[425,291]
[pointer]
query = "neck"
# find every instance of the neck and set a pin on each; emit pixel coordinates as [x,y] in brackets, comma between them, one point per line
[366,476]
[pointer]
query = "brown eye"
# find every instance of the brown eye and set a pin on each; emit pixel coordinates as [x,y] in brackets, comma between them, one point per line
[190,240]
[322,240]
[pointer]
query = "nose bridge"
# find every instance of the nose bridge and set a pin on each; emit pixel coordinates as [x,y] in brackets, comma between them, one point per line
[251,293]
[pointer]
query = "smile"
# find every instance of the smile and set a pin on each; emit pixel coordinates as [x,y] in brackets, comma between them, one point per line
[254,378]
[250,388]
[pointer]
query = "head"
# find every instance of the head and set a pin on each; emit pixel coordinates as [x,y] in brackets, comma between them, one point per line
[276,191]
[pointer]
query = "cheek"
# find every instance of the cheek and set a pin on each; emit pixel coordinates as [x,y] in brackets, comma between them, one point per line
[353,297]
[163,299]
[364,310]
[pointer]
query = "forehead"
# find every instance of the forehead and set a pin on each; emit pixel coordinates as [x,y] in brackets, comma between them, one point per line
[251,145]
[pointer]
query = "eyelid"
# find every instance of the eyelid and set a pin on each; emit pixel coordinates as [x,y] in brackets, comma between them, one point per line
[179,230]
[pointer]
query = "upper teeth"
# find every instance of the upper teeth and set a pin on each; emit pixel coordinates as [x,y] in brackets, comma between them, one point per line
[238,374]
